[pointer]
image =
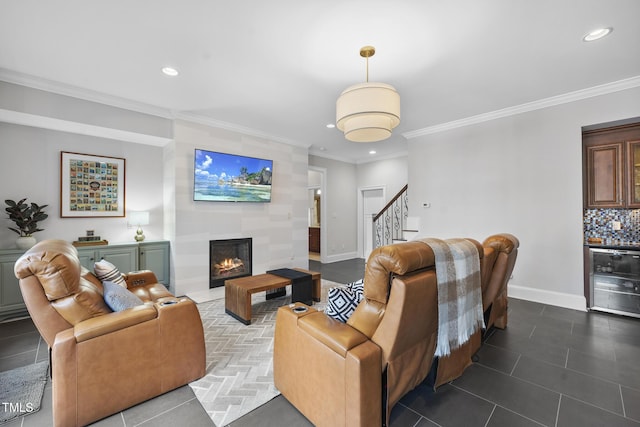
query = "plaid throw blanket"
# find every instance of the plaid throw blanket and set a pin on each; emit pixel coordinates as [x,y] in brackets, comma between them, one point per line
[459,292]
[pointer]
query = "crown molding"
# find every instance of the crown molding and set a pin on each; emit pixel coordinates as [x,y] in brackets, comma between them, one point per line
[376,158]
[32,120]
[34,82]
[341,158]
[325,155]
[207,121]
[39,83]
[566,98]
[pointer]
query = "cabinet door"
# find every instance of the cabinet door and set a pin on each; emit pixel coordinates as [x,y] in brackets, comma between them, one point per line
[10,295]
[87,258]
[124,258]
[633,174]
[604,176]
[314,239]
[155,257]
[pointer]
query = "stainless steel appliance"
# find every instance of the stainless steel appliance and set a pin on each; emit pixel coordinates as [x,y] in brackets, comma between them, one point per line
[615,281]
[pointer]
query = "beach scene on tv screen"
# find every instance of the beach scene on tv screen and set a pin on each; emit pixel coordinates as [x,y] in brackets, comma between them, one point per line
[224,177]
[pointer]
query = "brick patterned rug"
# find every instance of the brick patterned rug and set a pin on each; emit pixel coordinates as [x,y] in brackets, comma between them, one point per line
[239,374]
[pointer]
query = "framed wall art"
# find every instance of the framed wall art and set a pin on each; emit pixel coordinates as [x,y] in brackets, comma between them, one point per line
[91,186]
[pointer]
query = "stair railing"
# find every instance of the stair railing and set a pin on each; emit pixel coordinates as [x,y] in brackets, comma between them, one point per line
[389,223]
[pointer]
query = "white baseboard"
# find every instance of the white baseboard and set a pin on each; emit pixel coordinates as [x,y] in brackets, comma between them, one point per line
[574,302]
[340,257]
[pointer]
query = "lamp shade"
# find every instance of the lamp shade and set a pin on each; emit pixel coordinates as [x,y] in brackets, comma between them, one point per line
[139,218]
[367,112]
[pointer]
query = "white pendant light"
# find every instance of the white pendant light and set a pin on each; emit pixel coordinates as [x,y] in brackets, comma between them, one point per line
[368,112]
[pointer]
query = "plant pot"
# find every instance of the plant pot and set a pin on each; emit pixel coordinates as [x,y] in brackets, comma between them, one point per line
[25,243]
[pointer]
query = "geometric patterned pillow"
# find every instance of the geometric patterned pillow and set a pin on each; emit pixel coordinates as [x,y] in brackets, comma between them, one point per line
[357,288]
[342,301]
[104,270]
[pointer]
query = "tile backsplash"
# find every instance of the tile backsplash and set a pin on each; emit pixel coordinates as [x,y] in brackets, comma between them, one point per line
[598,223]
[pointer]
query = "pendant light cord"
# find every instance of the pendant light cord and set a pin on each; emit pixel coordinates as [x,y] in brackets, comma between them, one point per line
[367,69]
[366,52]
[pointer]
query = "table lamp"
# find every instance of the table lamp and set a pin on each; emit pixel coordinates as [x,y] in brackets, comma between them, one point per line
[139,219]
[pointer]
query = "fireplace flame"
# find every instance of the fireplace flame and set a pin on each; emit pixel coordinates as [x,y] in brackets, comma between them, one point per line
[228,266]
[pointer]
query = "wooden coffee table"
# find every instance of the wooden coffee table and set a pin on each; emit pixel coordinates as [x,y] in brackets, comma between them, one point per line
[237,292]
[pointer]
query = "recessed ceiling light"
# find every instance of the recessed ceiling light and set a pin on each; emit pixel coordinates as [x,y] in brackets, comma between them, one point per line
[597,34]
[170,71]
[331,125]
[372,152]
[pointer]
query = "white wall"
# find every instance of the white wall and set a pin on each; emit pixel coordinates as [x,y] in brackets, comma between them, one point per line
[340,200]
[279,229]
[392,174]
[343,183]
[522,175]
[30,167]
[35,125]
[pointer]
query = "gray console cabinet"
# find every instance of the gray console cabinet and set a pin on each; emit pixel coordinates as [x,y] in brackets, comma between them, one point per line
[124,257]
[127,257]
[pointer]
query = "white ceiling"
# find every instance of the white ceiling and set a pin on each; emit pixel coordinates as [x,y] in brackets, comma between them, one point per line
[275,68]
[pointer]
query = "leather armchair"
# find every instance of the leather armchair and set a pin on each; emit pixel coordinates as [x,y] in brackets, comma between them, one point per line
[102,361]
[335,373]
[500,253]
[352,374]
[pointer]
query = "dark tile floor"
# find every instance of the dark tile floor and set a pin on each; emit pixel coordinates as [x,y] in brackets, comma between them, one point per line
[551,367]
[21,344]
[341,271]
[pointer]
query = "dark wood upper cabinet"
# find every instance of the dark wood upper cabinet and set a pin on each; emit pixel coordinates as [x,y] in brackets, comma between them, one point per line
[604,176]
[633,173]
[611,167]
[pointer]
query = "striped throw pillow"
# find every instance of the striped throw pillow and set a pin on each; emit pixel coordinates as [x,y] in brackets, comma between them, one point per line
[105,271]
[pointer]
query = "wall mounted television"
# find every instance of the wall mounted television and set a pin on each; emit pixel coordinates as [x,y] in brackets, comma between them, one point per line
[222,177]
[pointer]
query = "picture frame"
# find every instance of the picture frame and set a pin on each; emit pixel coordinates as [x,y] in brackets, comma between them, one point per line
[91,185]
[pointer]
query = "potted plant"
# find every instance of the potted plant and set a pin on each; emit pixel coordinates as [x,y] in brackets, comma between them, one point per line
[26,216]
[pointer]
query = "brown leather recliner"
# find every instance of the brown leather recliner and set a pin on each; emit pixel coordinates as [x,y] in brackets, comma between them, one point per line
[352,374]
[497,258]
[500,253]
[102,361]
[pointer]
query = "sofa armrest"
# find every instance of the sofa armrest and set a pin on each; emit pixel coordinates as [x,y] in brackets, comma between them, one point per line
[328,370]
[162,349]
[336,335]
[142,277]
[112,322]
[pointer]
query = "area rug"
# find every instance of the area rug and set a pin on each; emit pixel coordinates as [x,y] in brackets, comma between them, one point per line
[21,390]
[239,374]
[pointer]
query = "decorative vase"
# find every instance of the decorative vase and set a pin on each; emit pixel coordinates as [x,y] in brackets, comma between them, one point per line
[25,242]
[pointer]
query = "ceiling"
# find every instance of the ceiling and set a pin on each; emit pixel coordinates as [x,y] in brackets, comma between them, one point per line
[275,68]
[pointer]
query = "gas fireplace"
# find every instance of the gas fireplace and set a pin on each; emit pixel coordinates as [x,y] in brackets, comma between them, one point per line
[229,259]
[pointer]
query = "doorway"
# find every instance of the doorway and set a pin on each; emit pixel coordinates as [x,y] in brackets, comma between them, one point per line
[371,201]
[316,212]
